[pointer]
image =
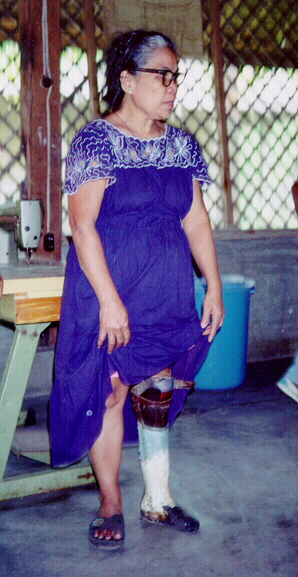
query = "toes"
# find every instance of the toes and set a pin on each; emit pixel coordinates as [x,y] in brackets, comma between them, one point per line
[108,535]
[107,530]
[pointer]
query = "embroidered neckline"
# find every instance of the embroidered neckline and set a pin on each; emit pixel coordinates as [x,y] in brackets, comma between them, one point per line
[109,125]
[174,148]
[100,147]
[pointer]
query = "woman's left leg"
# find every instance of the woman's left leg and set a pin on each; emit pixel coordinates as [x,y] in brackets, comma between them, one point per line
[106,455]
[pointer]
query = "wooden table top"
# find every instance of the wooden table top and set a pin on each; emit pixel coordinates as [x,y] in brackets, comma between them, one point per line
[34,279]
[31,293]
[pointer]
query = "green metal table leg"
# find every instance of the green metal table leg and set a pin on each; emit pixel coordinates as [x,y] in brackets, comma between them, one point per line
[43,482]
[14,383]
[12,390]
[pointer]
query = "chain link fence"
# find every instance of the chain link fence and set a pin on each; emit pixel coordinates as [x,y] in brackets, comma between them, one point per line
[260,81]
[260,54]
[12,162]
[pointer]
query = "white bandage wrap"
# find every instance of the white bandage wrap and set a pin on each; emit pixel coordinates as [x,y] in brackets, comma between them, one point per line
[155,465]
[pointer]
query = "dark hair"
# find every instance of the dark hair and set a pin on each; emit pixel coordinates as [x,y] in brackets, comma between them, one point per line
[129,51]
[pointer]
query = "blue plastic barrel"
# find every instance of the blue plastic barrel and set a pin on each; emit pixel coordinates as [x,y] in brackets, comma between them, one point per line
[225,366]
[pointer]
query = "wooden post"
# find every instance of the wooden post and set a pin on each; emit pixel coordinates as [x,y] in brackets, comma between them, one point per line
[89,30]
[39,126]
[221,111]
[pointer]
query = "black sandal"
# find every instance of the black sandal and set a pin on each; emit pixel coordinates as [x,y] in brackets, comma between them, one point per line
[175,518]
[113,523]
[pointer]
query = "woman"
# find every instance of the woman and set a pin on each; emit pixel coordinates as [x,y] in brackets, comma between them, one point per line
[128,313]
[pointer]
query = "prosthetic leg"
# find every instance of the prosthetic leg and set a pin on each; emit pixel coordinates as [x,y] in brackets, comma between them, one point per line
[151,402]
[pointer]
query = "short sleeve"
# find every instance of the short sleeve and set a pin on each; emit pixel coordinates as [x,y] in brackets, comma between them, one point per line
[89,157]
[198,165]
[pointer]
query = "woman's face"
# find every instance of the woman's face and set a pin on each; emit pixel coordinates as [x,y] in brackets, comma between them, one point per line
[149,95]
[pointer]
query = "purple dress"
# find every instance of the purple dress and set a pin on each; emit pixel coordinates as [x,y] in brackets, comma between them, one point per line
[150,191]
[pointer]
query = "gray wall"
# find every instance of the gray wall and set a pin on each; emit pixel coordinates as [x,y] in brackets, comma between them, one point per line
[271,260]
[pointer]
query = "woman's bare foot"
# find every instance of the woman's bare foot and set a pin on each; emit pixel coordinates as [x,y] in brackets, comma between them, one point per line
[107,531]
[107,511]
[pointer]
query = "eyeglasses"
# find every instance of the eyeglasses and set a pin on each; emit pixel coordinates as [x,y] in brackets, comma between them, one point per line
[167,75]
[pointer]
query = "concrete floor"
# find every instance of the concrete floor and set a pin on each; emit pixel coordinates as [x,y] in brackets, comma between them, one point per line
[233,456]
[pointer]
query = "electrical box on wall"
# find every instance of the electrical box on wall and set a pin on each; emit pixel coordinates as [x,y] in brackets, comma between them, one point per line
[20,228]
[30,223]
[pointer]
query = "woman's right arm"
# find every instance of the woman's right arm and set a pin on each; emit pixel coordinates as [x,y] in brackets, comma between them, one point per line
[83,210]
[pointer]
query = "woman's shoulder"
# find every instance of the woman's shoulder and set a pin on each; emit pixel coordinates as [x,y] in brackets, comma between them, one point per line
[180,135]
[183,147]
[94,129]
[89,139]
[89,157]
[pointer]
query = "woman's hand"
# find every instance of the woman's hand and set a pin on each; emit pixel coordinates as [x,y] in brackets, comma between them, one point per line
[213,314]
[114,325]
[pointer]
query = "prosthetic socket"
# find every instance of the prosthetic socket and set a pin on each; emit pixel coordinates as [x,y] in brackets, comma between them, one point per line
[151,403]
[152,398]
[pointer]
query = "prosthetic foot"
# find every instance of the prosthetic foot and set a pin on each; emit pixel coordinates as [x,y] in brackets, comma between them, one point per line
[151,402]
